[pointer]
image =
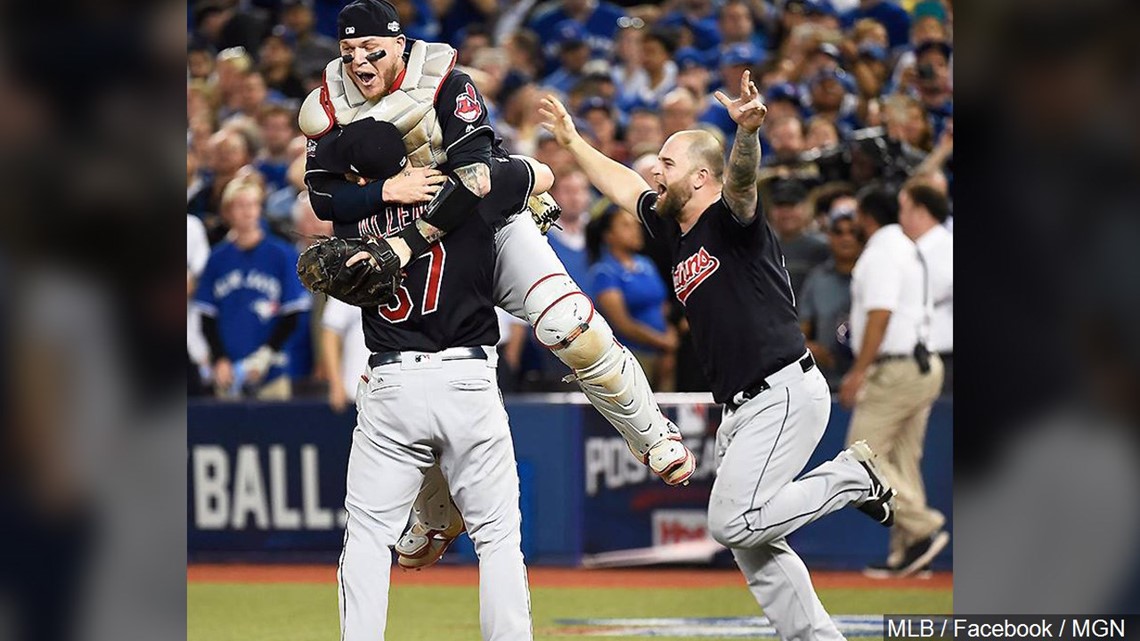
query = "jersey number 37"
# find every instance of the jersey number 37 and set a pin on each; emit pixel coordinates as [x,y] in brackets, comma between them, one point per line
[399,310]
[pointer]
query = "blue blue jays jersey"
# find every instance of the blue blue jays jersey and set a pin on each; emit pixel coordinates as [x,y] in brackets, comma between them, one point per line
[247,290]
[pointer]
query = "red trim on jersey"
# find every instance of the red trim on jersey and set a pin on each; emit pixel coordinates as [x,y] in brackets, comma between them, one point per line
[399,80]
[536,283]
[565,342]
[435,98]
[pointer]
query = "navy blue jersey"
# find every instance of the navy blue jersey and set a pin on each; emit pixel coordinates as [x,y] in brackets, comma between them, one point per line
[737,296]
[447,299]
[246,290]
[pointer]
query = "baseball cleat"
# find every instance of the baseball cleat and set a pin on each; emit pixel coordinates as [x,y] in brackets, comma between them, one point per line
[672,461]
[878,503]
[421,547]
[919,555]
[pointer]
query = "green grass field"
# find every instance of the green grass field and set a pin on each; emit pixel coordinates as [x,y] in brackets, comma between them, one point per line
[308,612]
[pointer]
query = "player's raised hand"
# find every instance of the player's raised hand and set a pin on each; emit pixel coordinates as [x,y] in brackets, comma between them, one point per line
[413,185]
[557,120]
[748,110]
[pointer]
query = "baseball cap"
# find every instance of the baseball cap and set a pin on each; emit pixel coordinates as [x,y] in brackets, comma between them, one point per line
[927,45]
[843,213]
[367,147]
[740,54]
[687,57]
[810,7]
[872,51]
[836,74]
[783,91]
[284,34]
[829,50]
[598,68]
[569,32]
[362,18]
[787,192]
[592,103]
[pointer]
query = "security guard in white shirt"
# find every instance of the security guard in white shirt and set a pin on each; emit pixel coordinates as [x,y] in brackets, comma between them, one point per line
[923,211]
[895,378]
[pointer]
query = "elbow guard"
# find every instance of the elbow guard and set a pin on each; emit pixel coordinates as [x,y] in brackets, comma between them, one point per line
[450,207]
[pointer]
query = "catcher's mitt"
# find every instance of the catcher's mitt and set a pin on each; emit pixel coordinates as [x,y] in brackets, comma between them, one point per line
[368,283]
[544,210]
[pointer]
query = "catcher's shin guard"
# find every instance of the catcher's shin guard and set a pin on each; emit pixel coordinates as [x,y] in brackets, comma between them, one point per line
[435,523]
[565,322]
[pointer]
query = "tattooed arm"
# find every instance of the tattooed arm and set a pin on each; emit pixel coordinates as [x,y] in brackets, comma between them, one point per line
[476,177]
[748,113]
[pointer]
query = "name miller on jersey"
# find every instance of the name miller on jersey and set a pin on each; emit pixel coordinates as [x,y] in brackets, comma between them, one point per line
[395,218]
[691,272]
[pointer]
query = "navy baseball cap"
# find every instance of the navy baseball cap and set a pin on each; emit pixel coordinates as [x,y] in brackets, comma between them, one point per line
[592,103]
[939,45]
[362,18]
[370,148]
[819,8]
[786,191]
[872,51]
[569,32]
[836,74]
[687,57]
[783,91]
[741,54]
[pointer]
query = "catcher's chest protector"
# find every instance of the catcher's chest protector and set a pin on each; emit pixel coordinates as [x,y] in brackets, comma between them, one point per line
[411,108]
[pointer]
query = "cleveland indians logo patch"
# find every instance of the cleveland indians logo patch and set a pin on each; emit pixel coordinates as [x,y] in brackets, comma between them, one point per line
[467,106]
[691,272]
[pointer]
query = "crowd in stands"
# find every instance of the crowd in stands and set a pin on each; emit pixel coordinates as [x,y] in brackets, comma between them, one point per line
[859,92]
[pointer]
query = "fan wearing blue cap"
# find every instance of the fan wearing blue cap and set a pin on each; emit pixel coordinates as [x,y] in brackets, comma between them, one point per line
[573,54]
[888,13]
[737,25]
[599,19]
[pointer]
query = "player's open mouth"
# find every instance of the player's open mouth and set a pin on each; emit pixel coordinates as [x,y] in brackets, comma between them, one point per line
[661,189]
[366,77]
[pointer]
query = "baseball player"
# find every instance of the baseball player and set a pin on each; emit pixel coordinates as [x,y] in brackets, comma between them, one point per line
[382,76]
[431,397]
[729,275]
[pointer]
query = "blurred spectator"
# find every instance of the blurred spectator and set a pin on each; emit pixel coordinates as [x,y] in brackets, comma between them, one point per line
[736,25]
[573,54]
[906,123]
[312,50]
[277,64]
[829,96]
[629,291]
[821,134]
[197,353]
[598,18]
[786,138]
[222,25]
[599,117]
[572,191]
[783,101]
[279,205]
[893,17]
[925,29]
[417,19]
[643,133]
[343,352]
[553,155]
[250,299]
[470,40]
[229,153]
[791,220]
[678,111]
[695,22]
[525,55]
[868,65]
[231,66]
[252,95]
[831,200]
[197,195]
[199,60]
[733,63]
[932,65]
[894,380]
[657,49]
[825,302]
[923,210]
[456,15]
[278,128]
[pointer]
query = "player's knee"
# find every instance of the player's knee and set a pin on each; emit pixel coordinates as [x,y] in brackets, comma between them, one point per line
[729,527]
[565,322]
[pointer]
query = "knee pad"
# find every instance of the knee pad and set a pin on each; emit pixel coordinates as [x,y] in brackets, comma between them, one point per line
[565,322]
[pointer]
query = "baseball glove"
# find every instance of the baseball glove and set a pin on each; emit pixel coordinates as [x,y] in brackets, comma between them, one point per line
[368,283]
[544,210]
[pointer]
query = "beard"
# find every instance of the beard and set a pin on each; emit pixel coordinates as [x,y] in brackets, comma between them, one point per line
[673,200]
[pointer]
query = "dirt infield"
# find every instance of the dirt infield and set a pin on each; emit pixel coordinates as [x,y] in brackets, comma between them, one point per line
[548,577]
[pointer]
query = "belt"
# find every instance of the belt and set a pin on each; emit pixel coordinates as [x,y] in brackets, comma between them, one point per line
[451,354]
[740,398]
[883,358]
